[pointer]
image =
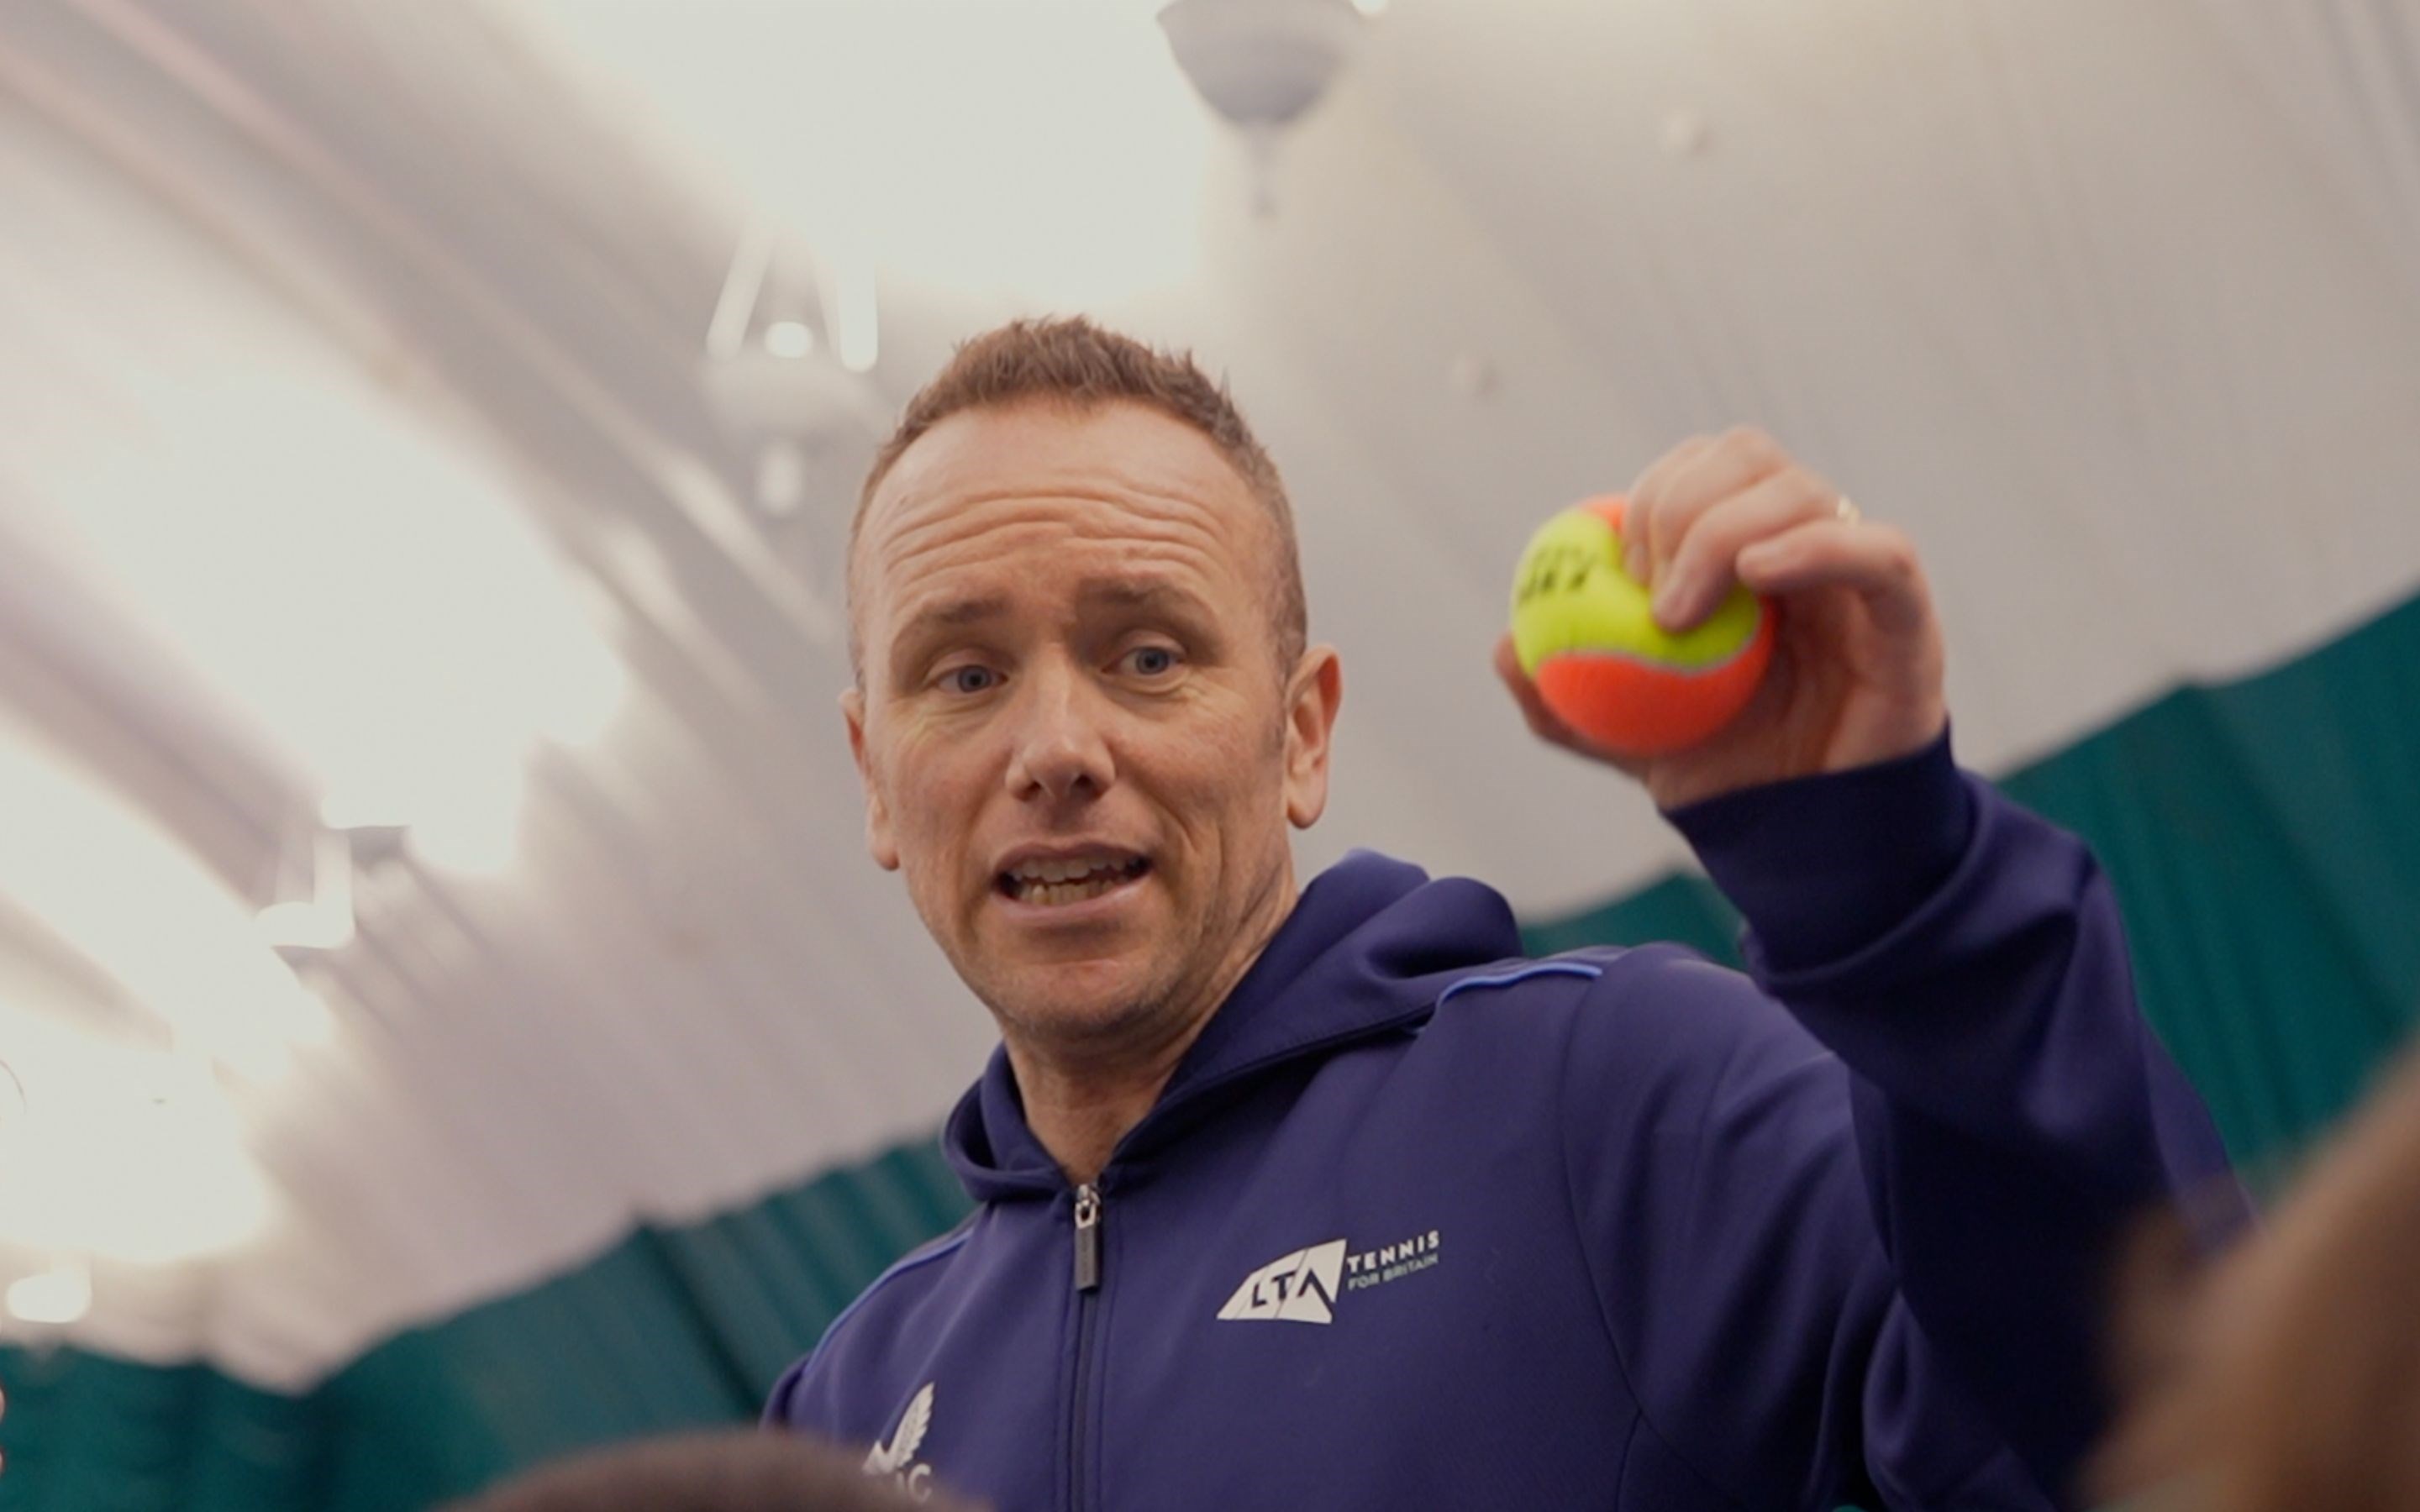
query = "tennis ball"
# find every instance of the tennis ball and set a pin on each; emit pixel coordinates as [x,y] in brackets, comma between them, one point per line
[1583,634]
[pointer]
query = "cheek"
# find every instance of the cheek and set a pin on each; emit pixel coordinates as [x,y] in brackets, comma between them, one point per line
[1234,782]
[935,786]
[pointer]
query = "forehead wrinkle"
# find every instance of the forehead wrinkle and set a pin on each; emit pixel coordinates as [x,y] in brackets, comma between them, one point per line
[1135,577]
[1123,511]
[1180,500]
[1180,537]
[1183,473]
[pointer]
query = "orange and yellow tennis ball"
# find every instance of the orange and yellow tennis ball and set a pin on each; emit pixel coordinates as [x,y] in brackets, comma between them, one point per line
[1583,633]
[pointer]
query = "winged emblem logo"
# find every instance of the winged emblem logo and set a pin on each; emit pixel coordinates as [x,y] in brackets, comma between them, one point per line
[895,1458]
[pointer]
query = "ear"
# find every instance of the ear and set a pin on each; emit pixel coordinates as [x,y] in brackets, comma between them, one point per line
[878,841]
[1312,697]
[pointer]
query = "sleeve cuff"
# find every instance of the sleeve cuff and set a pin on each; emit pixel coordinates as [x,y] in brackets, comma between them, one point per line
[1823,866]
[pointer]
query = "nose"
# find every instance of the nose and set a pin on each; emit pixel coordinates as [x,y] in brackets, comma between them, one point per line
[1059,747]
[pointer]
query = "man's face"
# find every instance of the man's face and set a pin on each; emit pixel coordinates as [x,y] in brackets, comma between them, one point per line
[1075,738]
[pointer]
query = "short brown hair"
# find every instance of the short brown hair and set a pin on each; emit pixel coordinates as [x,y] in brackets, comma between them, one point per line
[1071,360]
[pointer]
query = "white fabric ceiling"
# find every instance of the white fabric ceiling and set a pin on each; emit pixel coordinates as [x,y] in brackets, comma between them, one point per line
[353,353]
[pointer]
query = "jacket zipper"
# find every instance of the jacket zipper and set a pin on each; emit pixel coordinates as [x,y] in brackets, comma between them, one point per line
[1088,1238]
[1088,1289]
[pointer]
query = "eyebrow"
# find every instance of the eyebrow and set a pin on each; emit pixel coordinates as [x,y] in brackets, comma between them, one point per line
[936,620]
[953,614]
[1136,594]
[1123,595]
[1101,593]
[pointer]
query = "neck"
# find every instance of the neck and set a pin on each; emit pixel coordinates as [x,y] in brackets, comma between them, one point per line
[1081,1098]
[1079,1109]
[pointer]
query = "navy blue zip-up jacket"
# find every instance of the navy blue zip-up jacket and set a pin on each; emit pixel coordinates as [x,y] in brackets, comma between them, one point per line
[1419,1223]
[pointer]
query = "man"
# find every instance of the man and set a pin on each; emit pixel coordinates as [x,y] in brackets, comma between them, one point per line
[1329,1199]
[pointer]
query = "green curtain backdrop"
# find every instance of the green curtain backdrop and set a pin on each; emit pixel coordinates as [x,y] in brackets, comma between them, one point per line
[2264,837]
[670,1329]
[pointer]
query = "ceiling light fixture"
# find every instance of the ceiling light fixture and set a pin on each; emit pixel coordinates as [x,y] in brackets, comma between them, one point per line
[1261,65]
[789,338]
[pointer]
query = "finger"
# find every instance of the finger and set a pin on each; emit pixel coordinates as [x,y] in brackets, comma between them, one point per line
[1876,562]
[1653,483]
[1703,567]
[1532,705]
[1737,459]
[1543,723]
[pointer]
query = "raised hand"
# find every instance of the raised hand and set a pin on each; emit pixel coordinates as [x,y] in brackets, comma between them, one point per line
[1856,672]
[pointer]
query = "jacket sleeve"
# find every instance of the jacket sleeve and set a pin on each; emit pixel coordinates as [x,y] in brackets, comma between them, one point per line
[1887,1274]
[2012,1110]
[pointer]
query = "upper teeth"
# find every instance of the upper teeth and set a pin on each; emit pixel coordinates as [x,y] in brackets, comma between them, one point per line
[1060,871]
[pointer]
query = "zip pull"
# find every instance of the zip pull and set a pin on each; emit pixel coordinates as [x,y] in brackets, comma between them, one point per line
[1088,1238]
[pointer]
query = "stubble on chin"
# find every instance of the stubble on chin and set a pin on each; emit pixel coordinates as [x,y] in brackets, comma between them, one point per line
[1066,1020]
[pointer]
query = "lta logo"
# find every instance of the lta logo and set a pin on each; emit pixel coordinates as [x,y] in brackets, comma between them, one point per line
[1299,1287]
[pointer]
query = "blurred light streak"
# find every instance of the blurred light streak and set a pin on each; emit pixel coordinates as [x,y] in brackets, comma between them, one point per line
[57,1296]
[1049,149]
[365,587]
[123,1152]
[119,892]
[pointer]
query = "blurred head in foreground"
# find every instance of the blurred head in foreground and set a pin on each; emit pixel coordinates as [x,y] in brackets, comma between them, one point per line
[735,1472]
[2292,1380]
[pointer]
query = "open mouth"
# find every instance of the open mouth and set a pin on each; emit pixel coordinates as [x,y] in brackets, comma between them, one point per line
[1056,884]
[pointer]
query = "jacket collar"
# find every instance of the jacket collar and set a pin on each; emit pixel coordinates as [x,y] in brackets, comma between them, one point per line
[1370,945]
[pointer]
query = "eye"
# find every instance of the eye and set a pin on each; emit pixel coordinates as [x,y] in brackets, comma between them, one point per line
[971,678]
[1154,661]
